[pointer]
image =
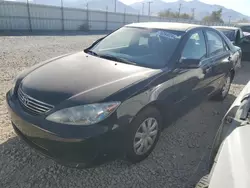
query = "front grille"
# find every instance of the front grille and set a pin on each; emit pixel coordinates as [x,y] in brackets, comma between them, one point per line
[33,105]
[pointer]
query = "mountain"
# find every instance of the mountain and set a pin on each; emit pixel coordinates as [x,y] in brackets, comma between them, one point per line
[201,9]
[92,4]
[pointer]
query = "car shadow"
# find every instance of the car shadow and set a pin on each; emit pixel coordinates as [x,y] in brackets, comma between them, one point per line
[179,159]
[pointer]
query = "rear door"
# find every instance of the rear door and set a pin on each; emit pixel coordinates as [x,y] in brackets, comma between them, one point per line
[220,55]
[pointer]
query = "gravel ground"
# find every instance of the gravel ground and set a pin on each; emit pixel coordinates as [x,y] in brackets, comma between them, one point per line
[179,159]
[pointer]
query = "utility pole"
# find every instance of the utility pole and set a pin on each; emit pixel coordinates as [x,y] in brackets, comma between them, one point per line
[149,4]
[62,15]
[193,12]
[179,13]
[229,21]
[124,17]
[142,11]
[87,7]
[115,5]
[28,9]
[106,20]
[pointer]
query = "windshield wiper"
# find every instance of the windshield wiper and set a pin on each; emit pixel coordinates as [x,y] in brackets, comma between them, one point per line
[118,59]
[91,52]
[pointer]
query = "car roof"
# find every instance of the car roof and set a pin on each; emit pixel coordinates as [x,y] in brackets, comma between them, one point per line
[165,25]
[225,27]
[243,24]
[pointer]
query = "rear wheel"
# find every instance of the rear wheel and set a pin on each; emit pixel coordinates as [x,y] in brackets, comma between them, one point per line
[143,135]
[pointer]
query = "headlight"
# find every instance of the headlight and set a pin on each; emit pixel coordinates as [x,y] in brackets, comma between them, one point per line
[85,114]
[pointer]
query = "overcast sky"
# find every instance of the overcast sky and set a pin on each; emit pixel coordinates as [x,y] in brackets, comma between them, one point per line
[242,6]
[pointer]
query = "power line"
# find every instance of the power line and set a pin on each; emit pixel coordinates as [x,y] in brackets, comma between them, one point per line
[149,4]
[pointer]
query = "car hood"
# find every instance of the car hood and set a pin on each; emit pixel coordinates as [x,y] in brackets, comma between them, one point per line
[81,74]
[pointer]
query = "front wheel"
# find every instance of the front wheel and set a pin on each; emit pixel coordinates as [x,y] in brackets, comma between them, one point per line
[143,134]
[223,92]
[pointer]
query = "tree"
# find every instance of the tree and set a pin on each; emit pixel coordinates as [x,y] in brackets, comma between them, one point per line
[169,14]
[214,17]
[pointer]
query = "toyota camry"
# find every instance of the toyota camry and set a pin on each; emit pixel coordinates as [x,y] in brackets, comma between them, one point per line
[114,97]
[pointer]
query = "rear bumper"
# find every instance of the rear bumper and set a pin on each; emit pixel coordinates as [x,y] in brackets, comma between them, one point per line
[68,148]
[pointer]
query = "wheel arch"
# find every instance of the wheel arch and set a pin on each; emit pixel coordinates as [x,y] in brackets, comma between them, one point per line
[157,104]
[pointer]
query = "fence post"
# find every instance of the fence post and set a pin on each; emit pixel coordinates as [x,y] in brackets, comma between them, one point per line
[87,5]
[62,12]
[28,10]
[106,24]
[124,17]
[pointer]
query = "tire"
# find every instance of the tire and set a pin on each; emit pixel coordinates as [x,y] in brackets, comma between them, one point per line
[137,136]
[223,92]
[203,183]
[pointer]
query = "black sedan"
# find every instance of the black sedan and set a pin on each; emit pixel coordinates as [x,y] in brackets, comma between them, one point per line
[237,37]
[112,98]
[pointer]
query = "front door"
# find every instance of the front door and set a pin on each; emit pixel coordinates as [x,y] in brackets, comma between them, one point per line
[189,83]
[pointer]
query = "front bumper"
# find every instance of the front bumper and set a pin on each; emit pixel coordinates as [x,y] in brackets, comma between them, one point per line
[76,146]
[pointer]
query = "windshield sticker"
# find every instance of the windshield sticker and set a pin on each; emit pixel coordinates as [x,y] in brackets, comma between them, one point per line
[166,35]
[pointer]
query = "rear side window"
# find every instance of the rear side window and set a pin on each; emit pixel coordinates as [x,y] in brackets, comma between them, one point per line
[215,43]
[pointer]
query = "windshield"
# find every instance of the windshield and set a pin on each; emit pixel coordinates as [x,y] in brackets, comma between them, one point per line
[230,34]
[140,46]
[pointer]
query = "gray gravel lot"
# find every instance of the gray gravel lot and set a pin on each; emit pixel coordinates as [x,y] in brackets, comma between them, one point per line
[179,159]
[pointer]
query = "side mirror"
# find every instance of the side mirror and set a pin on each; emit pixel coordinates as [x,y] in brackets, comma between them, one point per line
[189,63]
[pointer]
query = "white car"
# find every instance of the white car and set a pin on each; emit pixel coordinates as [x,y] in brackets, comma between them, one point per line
[230,156]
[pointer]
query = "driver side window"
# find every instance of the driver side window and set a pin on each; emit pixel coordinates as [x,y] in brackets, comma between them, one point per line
[195,47]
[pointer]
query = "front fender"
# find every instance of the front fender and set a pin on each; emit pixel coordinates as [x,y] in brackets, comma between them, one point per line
[153,96]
